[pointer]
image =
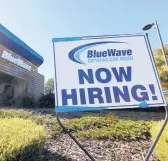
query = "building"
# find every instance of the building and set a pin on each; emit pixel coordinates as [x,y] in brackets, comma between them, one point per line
[19,66]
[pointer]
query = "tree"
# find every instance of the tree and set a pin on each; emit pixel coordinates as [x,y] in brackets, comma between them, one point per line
[160,63]
[49,86]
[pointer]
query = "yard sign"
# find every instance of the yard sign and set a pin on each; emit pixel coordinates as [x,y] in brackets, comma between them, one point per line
[105,72]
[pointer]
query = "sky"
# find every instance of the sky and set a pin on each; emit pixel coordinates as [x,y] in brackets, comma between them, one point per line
[36,22]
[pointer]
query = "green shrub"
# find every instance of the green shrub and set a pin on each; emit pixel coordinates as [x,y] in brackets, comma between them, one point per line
[161,149]
[108,127]
[27,100]
[20,140]
[47,100]
[8,99]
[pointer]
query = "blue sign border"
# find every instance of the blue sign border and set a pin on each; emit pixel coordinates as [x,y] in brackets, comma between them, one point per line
[86,108]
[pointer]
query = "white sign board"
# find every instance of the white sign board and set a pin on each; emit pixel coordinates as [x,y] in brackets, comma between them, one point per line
[106,72]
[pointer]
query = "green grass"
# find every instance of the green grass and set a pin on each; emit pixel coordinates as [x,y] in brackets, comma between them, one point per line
[161,149]
[97,126]
[13,113]
[38,118]
[21,139]
[107,127]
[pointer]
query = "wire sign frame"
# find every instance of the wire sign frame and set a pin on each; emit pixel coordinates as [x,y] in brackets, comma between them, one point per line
[106,72]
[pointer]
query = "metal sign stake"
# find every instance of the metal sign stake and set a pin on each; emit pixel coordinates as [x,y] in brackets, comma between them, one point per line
[73,138]
[161,43]
[166,107]
[62,126]
[158,136]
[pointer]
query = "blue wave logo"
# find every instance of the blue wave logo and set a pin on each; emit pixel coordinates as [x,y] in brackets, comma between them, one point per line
[75,54]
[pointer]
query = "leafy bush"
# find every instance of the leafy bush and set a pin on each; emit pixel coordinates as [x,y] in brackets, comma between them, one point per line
[20,140]
[161,149]
[26,100]
[47,100]
[160,63]
[163,73]
[1,94]
[7,99]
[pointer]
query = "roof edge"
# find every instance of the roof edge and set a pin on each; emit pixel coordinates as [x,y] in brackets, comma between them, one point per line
[19,42]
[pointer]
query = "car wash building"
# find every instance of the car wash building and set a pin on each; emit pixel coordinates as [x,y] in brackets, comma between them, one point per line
[19,66]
